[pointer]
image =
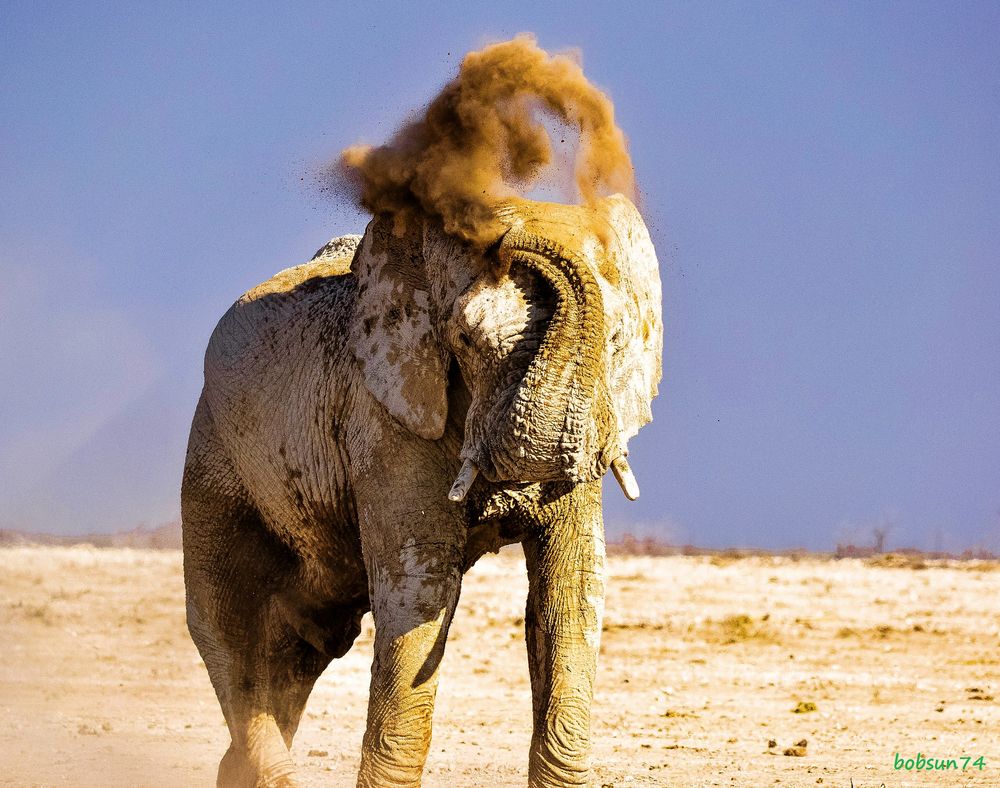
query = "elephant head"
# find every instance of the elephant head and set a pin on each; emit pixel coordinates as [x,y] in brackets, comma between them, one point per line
[555,329]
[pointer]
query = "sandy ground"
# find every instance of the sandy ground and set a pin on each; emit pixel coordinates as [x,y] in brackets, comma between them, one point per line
[704,661]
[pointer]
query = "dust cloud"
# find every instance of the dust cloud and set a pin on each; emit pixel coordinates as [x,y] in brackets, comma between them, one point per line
[484,139]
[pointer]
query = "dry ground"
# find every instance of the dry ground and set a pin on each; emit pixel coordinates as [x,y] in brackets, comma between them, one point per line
[704,661]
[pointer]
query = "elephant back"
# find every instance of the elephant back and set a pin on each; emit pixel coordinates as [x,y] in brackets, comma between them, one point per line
[333,259]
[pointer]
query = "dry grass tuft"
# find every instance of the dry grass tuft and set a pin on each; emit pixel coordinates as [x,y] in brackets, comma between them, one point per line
[897,561]
[740,628]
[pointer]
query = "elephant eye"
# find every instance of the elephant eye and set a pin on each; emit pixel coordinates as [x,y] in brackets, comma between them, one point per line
[464,339]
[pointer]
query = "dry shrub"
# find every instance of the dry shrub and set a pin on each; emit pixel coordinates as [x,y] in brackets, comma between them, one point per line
[897,561]
[741,628]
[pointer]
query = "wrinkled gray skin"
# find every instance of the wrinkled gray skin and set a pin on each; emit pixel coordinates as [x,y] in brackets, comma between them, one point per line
[341,398]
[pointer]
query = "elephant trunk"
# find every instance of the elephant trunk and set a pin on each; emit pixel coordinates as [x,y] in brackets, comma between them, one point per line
[558,423]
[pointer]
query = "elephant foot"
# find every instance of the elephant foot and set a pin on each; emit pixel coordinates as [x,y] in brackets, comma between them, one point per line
[236,771]
[557,767]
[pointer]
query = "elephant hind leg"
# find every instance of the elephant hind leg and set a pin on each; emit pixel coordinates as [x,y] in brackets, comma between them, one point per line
[266,690]
[265,700]
[267,694]
[262,668]
[234,567]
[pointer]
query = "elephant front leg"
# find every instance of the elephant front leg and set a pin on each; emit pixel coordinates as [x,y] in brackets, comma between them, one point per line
[565,560]
[414,592]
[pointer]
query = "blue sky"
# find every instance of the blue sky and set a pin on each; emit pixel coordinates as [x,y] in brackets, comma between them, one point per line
[822,182]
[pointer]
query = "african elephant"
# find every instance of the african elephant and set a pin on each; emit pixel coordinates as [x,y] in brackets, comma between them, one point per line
[342,398]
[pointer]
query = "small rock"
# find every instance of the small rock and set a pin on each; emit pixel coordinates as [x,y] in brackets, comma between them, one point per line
[803,707]
[318,753]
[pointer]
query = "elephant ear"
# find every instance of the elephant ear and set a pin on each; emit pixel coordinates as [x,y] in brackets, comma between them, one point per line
[392,331]
[632,303]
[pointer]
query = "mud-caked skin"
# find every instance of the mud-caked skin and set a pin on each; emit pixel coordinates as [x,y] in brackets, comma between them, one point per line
[342,398]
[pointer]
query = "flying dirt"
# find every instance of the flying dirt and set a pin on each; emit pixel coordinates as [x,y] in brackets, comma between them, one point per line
[483,139]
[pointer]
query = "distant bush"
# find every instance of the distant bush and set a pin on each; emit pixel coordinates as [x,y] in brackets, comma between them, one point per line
[909,557]
[648,545]
[164,537]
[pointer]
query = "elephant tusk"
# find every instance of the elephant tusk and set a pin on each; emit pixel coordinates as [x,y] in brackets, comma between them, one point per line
[463,481]
[626,479]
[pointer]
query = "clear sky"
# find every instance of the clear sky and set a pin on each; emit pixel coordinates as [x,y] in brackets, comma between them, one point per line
[822,182]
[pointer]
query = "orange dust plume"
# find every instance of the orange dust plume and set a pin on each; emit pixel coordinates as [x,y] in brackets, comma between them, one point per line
[481,137]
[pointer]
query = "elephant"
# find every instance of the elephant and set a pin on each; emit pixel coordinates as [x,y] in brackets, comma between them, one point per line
[373,422]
